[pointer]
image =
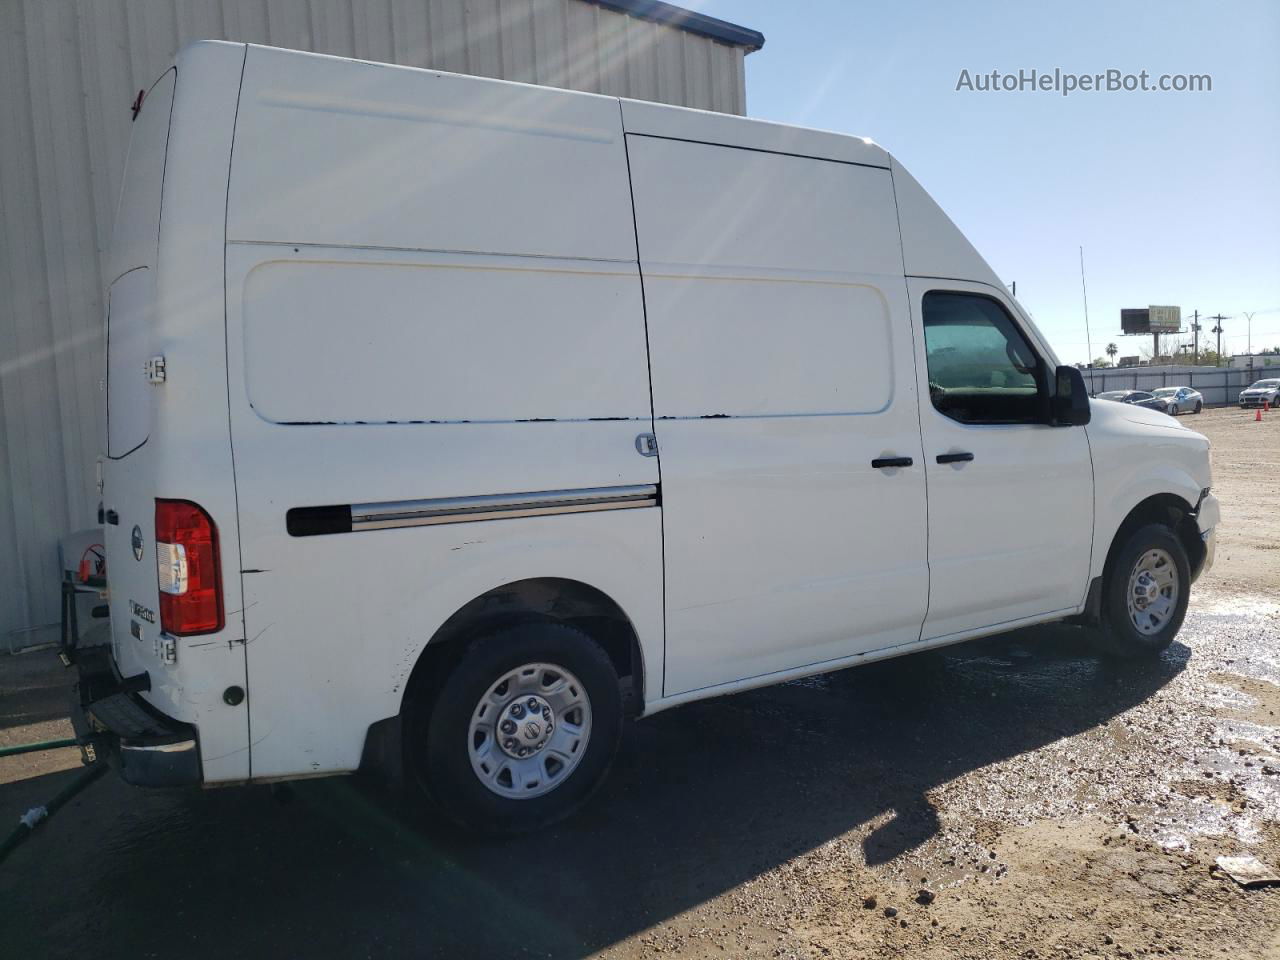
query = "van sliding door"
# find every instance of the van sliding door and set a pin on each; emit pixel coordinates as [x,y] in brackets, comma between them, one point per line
[783,394]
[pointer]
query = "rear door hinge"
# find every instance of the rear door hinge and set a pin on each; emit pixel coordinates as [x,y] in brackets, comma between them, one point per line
[155,370]
[166,648]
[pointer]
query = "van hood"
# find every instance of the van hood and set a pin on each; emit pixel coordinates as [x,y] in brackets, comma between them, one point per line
[1133,434]
[1116,413]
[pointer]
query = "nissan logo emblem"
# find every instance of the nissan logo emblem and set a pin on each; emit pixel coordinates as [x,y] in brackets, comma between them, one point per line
[136,539]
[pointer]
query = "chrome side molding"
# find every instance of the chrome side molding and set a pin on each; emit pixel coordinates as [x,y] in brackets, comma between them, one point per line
[312,521]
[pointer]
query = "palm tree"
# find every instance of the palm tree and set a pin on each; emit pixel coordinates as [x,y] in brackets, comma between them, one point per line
[1112,350]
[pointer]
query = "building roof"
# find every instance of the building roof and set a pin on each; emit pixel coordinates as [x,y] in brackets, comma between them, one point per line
[690,20]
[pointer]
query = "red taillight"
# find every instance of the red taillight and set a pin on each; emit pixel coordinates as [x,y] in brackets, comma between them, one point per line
[187,566]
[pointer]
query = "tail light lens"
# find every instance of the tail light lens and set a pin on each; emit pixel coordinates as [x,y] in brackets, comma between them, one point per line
[188,569]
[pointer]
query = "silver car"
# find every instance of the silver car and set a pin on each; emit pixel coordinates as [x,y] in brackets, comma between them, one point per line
[1263,391]
[1180,400]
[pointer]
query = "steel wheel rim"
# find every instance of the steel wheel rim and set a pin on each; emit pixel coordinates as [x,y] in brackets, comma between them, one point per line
[529,731]
[1152,595]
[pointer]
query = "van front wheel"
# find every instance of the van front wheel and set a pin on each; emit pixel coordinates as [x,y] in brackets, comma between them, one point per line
[1145,591]
[522,731]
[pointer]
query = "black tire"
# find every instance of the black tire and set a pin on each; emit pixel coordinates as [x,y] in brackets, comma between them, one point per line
[1173,410]
[437,754]
[1117,634]
[1199,406]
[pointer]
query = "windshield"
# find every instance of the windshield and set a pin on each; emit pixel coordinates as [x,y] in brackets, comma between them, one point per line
[1167,392]
[1265,384]
[1138,395]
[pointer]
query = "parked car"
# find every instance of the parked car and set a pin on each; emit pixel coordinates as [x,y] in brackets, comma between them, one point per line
[452,325]
[1260,392]
[1180,400]
[1139,398]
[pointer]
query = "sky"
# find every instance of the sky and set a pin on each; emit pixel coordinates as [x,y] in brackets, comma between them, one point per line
[1175,196]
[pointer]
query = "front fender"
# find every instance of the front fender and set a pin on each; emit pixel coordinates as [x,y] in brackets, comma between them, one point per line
[1134,460]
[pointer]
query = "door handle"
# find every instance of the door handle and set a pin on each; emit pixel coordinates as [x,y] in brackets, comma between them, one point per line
[881,463]
[954,457]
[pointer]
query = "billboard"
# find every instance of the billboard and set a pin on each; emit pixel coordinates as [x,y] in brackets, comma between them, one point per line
[1136,320]
[1165,319]
[1141,320]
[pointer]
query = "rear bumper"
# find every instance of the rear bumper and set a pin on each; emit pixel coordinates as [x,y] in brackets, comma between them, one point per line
[148,748]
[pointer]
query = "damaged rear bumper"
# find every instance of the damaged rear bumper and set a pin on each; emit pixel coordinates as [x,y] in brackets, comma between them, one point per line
[114,723]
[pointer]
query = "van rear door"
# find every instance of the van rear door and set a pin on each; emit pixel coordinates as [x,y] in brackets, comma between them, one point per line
[131,297]
[128,483]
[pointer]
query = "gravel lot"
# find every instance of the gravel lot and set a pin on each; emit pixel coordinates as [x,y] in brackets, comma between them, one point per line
[1014,797]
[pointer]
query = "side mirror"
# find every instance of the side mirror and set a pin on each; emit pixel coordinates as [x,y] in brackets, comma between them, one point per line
[1069,406]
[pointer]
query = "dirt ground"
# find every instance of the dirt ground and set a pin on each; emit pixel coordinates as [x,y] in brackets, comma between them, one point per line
[1013,797]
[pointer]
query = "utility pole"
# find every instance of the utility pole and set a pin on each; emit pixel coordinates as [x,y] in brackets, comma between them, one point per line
[1084,292]
[1195,337]
[1218,330]
[1249,318]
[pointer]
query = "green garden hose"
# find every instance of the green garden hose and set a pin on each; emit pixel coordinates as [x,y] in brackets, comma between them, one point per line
[28,821]
[38,745]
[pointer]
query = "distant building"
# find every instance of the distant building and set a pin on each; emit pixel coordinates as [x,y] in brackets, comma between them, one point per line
[1257,361]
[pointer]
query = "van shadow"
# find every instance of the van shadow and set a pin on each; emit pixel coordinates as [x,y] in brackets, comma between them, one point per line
[700,800]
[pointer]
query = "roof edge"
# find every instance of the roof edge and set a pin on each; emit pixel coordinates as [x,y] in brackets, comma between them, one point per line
[689,20]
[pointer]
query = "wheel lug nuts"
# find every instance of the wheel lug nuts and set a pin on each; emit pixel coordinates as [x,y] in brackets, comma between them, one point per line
[523,751]
[533,704]
[508,726]
[517,710]
[509,744]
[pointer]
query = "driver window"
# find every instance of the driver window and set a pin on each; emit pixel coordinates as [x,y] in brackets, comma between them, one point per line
[981,368]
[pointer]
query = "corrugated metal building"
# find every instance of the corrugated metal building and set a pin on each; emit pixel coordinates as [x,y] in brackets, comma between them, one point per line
[69,70]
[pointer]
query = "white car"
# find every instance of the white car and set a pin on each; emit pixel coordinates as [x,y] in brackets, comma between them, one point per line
[452,422]
[1261,392]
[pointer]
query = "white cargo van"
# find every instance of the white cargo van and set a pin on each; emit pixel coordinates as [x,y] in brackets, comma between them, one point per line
[452,421]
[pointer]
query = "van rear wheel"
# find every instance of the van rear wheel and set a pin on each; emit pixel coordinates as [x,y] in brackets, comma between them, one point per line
[521,732]
[1144,594]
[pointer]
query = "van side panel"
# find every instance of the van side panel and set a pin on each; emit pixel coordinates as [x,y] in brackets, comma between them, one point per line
[188,453]
[782,366]
[425,324]
[644,117]
[346,153]
[461,318]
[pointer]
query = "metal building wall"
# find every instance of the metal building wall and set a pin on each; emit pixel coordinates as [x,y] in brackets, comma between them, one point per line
[69,70]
